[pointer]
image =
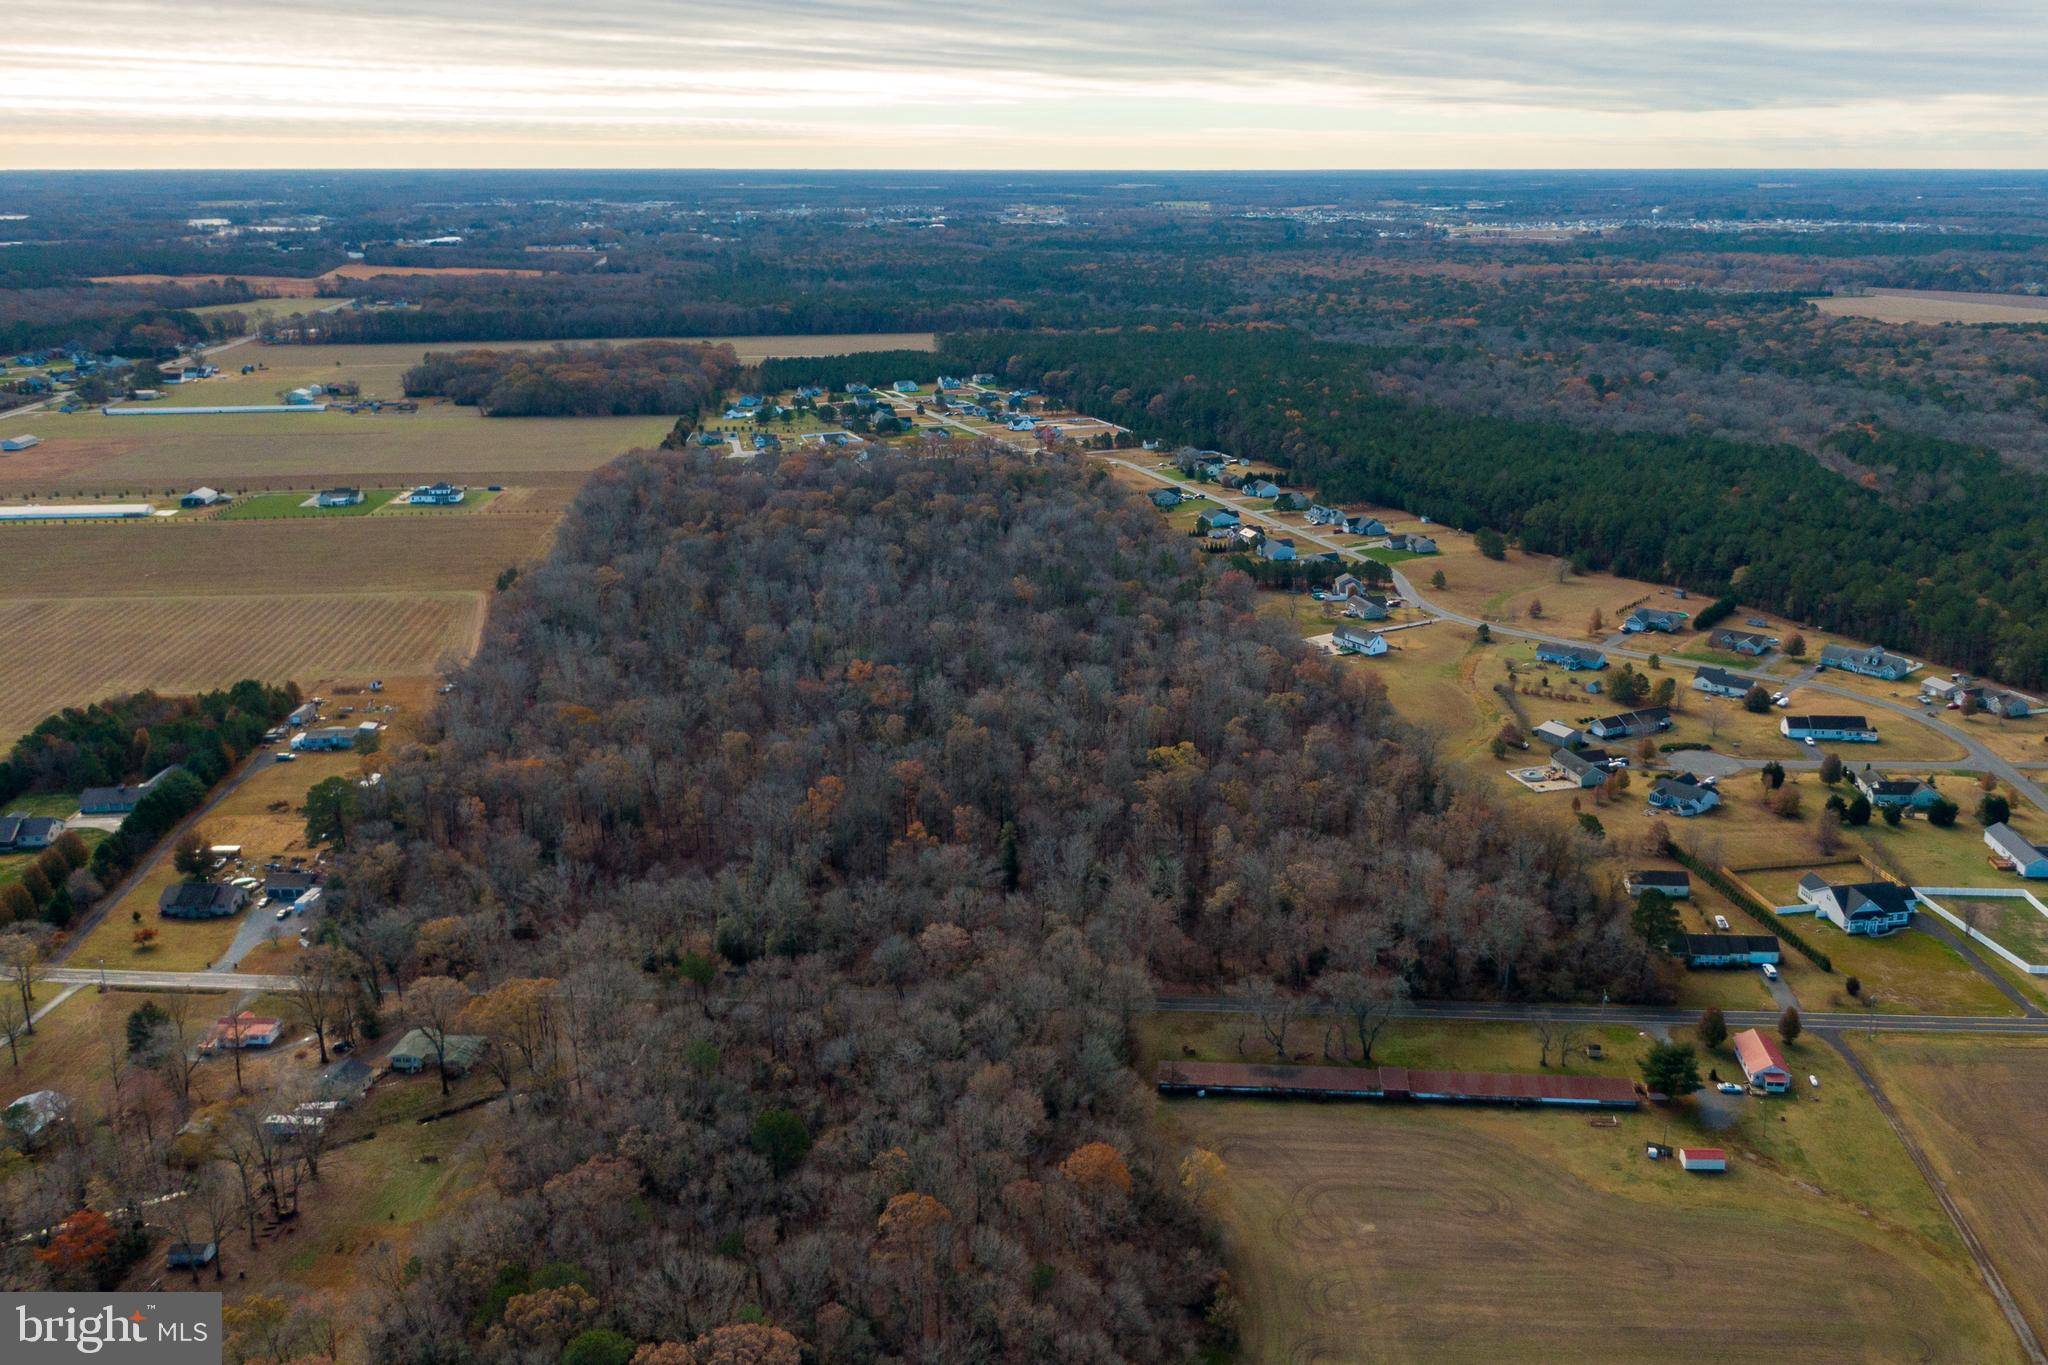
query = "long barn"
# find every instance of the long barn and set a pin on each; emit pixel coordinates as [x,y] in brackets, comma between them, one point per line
[1394,1083]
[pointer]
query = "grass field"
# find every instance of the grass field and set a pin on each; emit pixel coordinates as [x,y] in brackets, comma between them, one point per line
[2015,923]
[1936,306]
[66,652]
[1978,1107]
[299,503]
[1376,1233]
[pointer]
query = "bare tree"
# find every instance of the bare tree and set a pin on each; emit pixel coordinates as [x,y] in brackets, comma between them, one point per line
[322,979]
[1365,1002]
[432,1006]
[1273,1008]
[21,957]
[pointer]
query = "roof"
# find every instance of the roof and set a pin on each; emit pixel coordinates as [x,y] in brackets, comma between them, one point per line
[2007,841]
[1726,633]
[1678,789]
[1757,1051]
[1649,715]
[1828,722]
[1568,651]
[1721,677]
[199,898]
[1858,898]
[1702,1154]
[461,1048]
[1656,877]
[1721,945]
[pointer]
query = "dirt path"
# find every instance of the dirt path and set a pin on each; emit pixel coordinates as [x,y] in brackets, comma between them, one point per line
[1992,1281]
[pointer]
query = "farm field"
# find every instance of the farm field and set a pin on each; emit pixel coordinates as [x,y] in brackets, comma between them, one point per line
[89,452]
[307,286]
[264,506]
[1978,1107]
[1936,306]
[68,651]
[1373,1233]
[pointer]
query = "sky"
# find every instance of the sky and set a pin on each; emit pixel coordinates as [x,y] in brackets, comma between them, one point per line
[1057,84]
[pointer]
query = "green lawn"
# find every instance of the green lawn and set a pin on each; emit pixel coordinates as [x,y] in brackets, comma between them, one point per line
[263,506]
[471,500]
[58,804]
[2015,923]
[1386,556]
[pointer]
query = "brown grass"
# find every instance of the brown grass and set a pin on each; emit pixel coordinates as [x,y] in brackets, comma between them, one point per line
[1937,306]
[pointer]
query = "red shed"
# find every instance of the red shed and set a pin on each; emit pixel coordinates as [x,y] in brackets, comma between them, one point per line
[1702,1158]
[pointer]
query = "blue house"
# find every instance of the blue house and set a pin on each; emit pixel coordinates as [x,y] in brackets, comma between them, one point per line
[1842,729]
[2015,853]
[1261,488]
[1865,908]
[1222,519]
[325,739]
[1731,950]
[905,386]
[1573,657]
[810,391]
[1904,793]
[1720,682]
[1654,618]
[1276,548]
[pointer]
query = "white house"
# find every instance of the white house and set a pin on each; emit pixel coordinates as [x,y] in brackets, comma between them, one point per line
[1847,729]
[1357,640]
[1865,908]
[1720,682]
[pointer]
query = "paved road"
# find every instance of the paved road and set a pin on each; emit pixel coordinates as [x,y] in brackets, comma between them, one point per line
[173,981]
[1976,757]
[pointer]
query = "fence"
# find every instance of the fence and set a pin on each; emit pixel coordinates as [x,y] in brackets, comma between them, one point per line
[1928,893]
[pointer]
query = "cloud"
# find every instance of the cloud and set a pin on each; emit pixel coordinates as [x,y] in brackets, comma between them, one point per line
[1063,82]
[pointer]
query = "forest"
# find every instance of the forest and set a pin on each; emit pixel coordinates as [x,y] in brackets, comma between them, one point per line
[130,737]
[1925,545]
[851,829]
[640,379]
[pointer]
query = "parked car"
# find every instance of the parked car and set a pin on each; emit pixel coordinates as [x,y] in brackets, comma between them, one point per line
[1729,1088]
[1721,923]
[283,911]
[287,756]
[1781,699]
[1770,972]
[1810,743]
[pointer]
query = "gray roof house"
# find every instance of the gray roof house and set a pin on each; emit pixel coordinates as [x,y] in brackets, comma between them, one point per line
[1587,766]
[1677,885]
[1276,547]
[1730,950]
[1743,642]
[1358,640]
[199,900]
[2019,855]
[1558,735]
[1885,791]
[1362,525]
[415,1052]
[25,832]
[1413,543]
[1655,619]
[1720,682]
[1573,657]
[1871,663]
[1863,908]
[117,800]
[1847,729]
[1631,724]
[1683,795]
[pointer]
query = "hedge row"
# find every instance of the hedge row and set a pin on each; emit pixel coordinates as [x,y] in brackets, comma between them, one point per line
[1761,913]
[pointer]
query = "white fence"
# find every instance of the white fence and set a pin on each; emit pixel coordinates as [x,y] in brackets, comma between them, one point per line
[1928,893]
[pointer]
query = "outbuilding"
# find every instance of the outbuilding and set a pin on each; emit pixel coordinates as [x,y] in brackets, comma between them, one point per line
[1702,1159]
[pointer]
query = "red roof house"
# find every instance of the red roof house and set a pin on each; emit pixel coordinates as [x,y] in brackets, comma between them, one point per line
[1762,1062]
[1703,1158]
[241,1031]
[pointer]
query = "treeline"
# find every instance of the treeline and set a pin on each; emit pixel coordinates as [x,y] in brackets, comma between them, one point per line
[1921,544]
[833,373]
[644,378]
[130,738]
[853,822]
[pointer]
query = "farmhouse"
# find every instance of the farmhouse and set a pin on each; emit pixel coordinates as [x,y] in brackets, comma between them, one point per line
[1847,729]
[1730,950]
[1394,1083]
[415,1052]
[1743,642]
[1573,657]
[1907,792]
[436,495]
[199,900]
[1356,640]
[1720,682]
[1761,1062]
[1677,885]
[326,738]
[1871,663]
[1655,619]
[2014,854]
[1683,795]
[1864,908]
[1632,724]
[117,800]
[1705,1160]
[1558,735]
[21,833]
[338,497]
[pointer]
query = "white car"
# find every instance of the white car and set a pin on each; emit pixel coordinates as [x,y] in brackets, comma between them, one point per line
[1782,699]
[1770,972]
[283,911]
[1810,743]
[1721,923]
[287,756]
[1729,1088]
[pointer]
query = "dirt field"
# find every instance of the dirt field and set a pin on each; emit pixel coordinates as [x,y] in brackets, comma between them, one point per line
[305,287]
[1372,1233]
[68,652]
[1979,1107]
[1936,306]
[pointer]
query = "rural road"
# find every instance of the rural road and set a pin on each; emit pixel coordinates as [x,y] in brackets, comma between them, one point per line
[1976,757]
[165,981]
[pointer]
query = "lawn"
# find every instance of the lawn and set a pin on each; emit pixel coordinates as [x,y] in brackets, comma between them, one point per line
[266,506]
[2012,920]
[79,1046]
[1459,1045]
[1978,1107]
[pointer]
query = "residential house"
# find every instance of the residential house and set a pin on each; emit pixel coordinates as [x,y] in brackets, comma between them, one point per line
[14,443]
[1845,729]
[1166,498]
[1319,515]
[1558,735]
[749,402]
[811,391]
[1412,543]
[117,800]
[1762,1062]
[984,378]
[1902,792]
[1632,724]
[1291,502]
[1588,767]
[2014,853]
[302,715]
[190,1255]
[1654,619]
[440,494]
[327,738]
[1863,908]
[1873,662]
[1355,640]
[1731,950]
[1347,585]
[1677,885]
[26,833]
[1573,657]
[415,1052]
[1259,488]
[203,497]
[287,885]
[1369,608]
[905,386]
[1277,547]
[239,1032]
[199,900]
[36,1115]
[1961,691]
[1222,518]
[1720,682]
[338,497]
[1684,795]
[1747,642]
[1358,524]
